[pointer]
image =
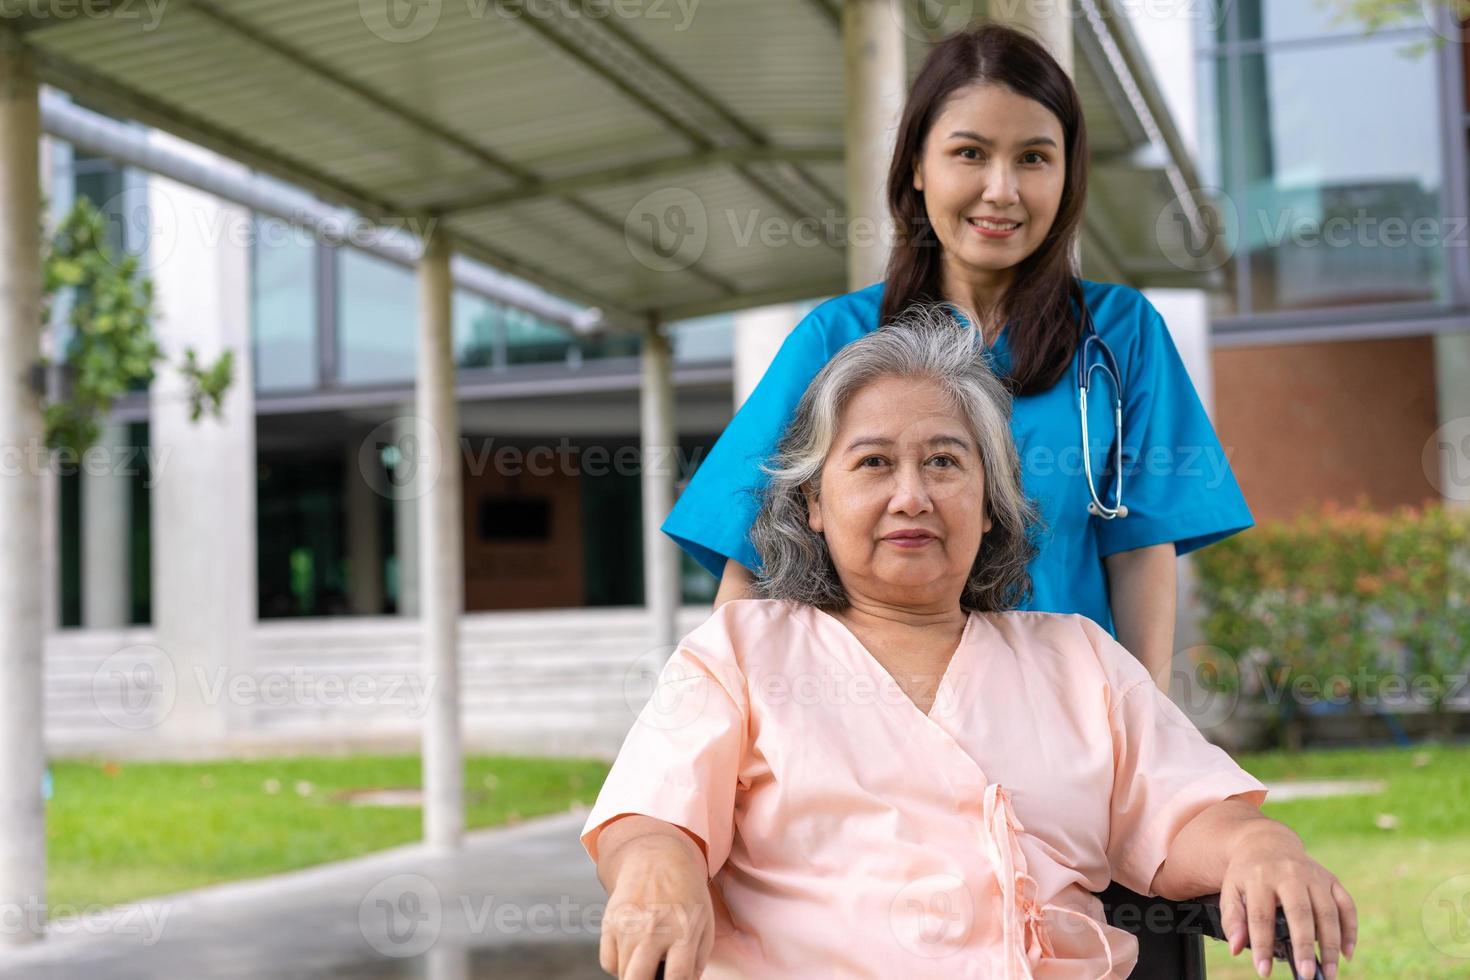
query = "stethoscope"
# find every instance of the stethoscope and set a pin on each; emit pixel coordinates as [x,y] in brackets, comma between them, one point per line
[1092,345]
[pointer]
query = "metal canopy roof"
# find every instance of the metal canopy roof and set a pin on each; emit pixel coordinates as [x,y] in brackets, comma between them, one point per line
[554,147]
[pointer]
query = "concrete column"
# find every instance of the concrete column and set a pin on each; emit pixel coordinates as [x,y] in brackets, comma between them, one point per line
[106,517]
[406,523]
[203,500]
[364,544]
[1186,314]
[441,550]
[1452,385]
[759,334]
[22,742]
[873,45]
[1049,20]
[58,187]
[661,587]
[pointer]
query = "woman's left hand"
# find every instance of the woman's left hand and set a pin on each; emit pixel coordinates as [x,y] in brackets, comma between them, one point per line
[1269,866]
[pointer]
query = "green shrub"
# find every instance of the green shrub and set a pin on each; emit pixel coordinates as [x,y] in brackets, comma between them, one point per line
[1342,607]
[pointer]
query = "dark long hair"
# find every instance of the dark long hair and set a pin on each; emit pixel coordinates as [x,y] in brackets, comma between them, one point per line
[1044,329]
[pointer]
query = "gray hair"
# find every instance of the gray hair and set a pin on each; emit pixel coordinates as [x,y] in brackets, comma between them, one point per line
[924,342]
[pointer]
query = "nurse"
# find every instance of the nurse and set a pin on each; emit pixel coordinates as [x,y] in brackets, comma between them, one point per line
[986,188]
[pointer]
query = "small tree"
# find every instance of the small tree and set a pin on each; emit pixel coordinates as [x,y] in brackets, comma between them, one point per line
[112,349]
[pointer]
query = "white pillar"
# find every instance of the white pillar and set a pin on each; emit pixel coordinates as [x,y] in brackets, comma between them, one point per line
[1049,20]
[1186,314]
[1452,387]
[364,544]
[441,550]
[873,43]
[106,517]
[759,334]
[406,523]
[204,493]
[661,584]
[22,742]
[57,182]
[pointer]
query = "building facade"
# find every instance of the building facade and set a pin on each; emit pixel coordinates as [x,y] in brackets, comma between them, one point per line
[1334,350]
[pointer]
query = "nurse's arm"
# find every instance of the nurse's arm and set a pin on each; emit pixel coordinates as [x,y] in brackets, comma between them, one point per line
[1142,586]
[734,584]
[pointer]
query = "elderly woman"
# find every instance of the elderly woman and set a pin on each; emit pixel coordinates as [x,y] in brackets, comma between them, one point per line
[880,769]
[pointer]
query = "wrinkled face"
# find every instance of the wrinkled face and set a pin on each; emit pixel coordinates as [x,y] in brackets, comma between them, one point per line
[902,499]
[992,173]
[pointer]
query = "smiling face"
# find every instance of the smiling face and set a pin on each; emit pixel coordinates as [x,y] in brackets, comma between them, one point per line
[992,172]
[902,501]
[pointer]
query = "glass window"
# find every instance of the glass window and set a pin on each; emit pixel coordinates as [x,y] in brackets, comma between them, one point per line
[1335,214]
[477,331]
[1295,20]
[377,316]
[709,338]
[530,339]
[1216,166]
[1211,23]
[283,310]
[100,181]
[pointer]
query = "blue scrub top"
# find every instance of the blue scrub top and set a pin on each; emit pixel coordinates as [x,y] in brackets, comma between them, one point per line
[1177,482]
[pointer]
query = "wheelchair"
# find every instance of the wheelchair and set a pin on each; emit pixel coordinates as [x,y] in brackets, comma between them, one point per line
[1171,934]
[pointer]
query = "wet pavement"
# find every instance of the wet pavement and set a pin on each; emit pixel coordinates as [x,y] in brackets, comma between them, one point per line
[518,902]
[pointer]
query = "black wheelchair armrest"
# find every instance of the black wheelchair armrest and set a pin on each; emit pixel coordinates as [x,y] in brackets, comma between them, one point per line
[1203,915]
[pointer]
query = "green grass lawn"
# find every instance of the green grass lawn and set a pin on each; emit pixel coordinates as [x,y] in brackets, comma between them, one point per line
[124,831]
[1393,874]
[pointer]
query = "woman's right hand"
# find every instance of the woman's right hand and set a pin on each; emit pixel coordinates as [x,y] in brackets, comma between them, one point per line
[659,910]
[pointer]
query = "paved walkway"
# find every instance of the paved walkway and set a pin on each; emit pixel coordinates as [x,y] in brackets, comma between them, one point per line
[519,902]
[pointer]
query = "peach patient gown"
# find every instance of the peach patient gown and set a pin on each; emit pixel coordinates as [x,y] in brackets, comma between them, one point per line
[849,834]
